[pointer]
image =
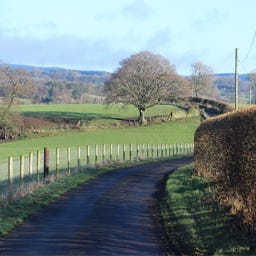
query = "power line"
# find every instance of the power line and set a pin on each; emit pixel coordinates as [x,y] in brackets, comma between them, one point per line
[249,51]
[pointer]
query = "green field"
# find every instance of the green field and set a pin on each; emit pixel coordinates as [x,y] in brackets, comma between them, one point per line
[91,111]
[180,131]
[174,132]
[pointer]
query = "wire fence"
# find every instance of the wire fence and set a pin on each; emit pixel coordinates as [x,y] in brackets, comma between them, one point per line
[19,174]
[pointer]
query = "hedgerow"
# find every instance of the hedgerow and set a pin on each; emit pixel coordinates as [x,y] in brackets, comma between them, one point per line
[225,151]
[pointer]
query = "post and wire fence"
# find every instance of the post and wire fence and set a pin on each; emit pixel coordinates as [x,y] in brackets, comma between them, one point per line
[21,174]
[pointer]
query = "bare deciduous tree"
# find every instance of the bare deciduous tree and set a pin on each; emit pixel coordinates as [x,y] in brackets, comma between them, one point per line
[14,83]
[143,80]
[201,80]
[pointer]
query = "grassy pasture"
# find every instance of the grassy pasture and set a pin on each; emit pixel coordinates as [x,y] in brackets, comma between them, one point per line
[181,131]
[90,111]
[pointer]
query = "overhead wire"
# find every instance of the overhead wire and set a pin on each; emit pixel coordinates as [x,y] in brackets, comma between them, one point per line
[250,48]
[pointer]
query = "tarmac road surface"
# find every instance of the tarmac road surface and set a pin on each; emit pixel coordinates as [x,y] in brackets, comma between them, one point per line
[111,215]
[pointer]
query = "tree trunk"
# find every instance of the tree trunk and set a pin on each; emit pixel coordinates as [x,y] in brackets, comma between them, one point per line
[142,120]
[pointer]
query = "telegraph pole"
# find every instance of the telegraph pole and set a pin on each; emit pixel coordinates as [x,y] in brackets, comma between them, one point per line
[236,79]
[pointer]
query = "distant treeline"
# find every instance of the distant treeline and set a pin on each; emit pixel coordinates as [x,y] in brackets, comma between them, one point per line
[58,85]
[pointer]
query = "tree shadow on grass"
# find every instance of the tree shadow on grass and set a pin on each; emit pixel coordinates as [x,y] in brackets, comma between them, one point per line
[68,116]
[197,225]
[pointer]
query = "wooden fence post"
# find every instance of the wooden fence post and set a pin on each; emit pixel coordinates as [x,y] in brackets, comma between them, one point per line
[38,165]
[123,152]
[137,150]
[78,158]
[130,155]
[30,164]
[57,161]
[46,163]
[68,160]
[110,152]
[10,173]
[103,152]
[118,152]
[88,154]
[21,171]
[96,153]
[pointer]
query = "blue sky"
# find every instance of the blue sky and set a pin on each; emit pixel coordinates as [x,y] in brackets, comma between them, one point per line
[98,34]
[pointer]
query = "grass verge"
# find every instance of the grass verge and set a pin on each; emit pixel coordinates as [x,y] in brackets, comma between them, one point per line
[193,222]
[14,212]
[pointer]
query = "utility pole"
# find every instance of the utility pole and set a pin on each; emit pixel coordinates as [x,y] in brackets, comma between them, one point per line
[236,79]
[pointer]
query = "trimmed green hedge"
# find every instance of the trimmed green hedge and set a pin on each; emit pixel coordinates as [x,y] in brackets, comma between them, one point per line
[225,151]
[212,105]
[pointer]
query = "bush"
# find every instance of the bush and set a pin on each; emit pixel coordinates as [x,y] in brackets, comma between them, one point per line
[225,151]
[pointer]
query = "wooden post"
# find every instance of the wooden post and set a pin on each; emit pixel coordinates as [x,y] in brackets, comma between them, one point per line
[10,173]
[57,161]
[137,150]
[21,171]
[68,161]
[143,149]
[110,152]
[130,155]
[46,163]
[118,152]
[123,152]
[38,165]
[88,154]
[103,152]
[78,159]
[30,164]
[96,153]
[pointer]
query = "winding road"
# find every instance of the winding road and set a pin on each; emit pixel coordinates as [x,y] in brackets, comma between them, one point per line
[111,215]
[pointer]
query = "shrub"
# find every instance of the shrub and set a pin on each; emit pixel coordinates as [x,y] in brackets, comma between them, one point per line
[225,151]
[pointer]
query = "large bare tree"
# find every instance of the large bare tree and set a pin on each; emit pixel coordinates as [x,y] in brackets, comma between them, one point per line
[143,80]
[201,80]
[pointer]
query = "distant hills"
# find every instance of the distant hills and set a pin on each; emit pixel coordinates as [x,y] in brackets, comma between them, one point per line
[99,73]
[241,76]
[54,69]
[93,80]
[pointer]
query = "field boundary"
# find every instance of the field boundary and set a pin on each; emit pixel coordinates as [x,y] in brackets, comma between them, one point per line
[18,175]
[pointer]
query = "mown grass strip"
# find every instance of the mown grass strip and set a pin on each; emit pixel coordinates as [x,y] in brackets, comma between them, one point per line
[194,223]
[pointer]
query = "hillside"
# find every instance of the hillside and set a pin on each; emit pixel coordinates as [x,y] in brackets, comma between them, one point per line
[59,85]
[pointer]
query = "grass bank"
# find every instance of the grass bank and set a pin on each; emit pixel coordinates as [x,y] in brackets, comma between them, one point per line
[194,223]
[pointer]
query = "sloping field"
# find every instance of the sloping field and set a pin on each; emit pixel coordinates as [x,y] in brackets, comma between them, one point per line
[181,131]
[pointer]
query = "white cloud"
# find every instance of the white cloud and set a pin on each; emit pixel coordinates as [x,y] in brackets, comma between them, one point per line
[138,10]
